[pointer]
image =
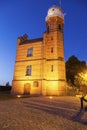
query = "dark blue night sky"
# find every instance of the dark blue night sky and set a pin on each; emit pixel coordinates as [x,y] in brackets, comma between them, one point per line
[18,17]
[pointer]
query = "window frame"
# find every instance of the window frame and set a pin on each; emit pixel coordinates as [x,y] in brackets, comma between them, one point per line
[36,84]
[29,70]
[30,52]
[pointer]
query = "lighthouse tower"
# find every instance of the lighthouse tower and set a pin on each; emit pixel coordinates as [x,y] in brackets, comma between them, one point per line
[54,65]
[39,64]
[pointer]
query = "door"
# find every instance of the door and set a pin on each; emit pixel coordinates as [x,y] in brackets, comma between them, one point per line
[27,88]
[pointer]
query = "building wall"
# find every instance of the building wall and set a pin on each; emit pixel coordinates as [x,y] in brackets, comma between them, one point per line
[48,66]
[20,78]
[55,80]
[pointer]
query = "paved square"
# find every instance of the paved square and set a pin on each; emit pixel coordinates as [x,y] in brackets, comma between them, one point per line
[42,113]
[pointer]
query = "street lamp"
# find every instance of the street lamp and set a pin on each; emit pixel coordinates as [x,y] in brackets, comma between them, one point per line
[85,76]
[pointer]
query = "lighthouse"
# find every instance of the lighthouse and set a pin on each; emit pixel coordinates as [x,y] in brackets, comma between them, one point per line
[39,64]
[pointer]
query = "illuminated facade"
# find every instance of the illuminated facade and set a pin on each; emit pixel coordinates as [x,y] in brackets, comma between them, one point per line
[39,66]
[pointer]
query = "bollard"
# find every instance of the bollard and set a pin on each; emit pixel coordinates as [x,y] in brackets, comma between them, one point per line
[81,100]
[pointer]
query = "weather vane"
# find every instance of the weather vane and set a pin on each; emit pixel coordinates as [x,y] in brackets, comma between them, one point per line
[61,4]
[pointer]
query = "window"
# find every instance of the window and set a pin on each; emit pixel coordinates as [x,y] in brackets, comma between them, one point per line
[52,9]
[52,50]
[36,84]
[28,70]
[59,27]
[30,52]
[51,38]
[51,68]
[48,28]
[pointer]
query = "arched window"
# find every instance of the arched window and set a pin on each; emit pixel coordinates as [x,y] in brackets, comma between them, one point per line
[47,28]
[59,27]
[28,70]
[51,49]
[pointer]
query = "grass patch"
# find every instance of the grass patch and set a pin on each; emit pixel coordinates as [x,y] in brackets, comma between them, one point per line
[5,95]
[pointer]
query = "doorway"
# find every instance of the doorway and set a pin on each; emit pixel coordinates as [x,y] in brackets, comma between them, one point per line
[27,88]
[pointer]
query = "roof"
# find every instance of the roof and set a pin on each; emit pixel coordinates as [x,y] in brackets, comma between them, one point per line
[54,11]
[31,41]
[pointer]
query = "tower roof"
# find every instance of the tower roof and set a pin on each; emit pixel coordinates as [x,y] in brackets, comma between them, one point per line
[55,11]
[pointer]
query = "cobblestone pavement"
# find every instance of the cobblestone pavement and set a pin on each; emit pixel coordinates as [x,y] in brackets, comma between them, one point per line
[42,113]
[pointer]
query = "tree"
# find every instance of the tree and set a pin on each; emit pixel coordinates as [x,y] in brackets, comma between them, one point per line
[7,84]
[73,67]
[81,81]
